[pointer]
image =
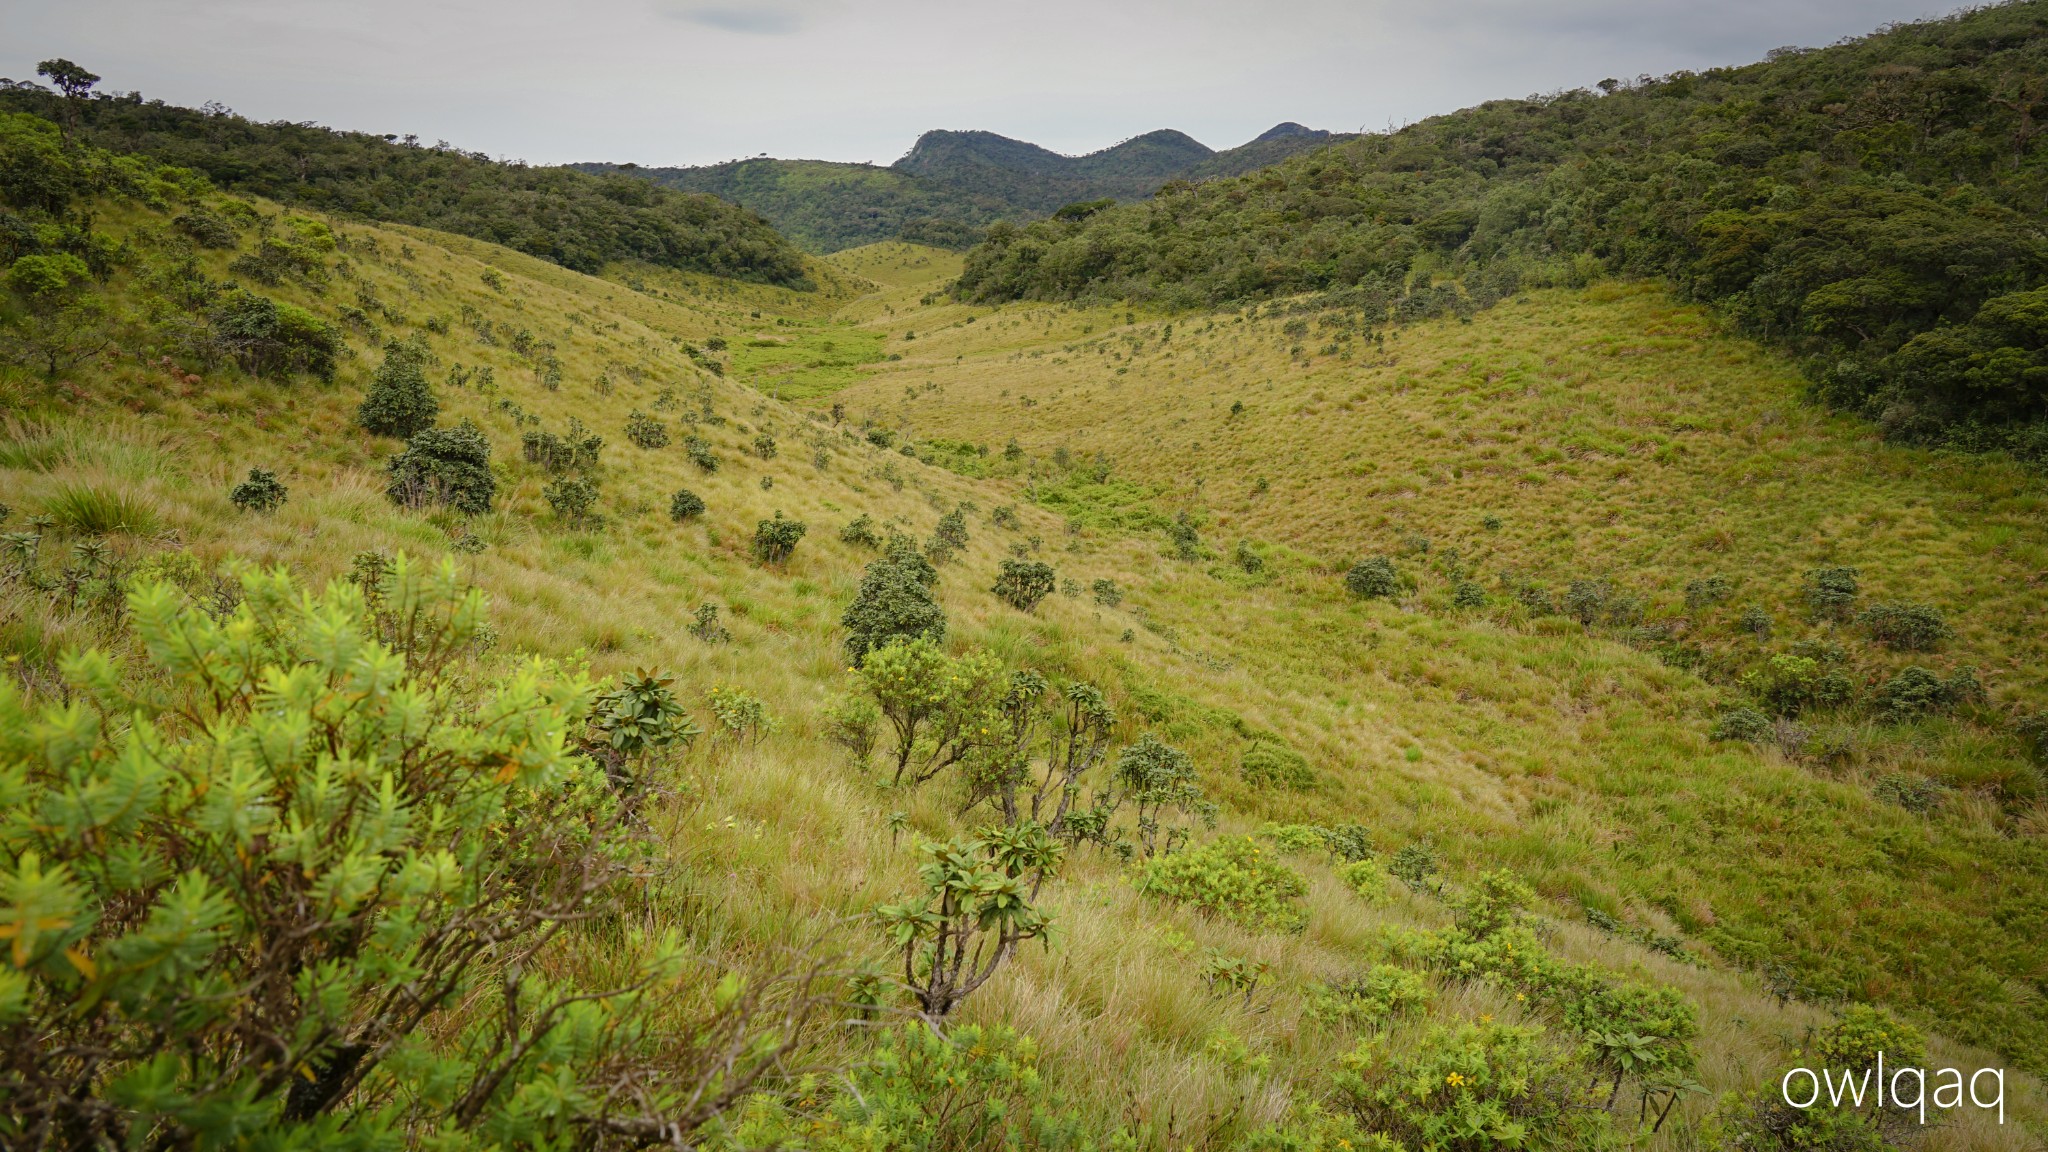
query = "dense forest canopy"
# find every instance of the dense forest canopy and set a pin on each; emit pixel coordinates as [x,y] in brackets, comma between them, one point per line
[575,219]
[1877,206]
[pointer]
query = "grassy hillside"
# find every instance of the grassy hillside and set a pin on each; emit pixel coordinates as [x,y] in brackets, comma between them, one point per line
[951,185]
[1873,206]
[1613,438]
[1383,755]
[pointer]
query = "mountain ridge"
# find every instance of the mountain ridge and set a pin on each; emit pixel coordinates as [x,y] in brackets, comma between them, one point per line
[952,183]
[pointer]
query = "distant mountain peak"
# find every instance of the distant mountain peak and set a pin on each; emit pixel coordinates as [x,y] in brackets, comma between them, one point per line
[1288,128]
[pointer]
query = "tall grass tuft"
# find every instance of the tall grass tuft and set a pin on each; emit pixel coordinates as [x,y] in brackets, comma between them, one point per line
[100,510]
[125,449]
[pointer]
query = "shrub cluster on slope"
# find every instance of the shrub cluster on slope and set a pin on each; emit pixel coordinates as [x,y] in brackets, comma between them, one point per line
[573,218]
[1876,206]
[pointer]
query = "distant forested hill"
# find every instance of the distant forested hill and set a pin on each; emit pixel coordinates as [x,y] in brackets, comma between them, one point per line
[575,219]
[952,184]
[1878,206]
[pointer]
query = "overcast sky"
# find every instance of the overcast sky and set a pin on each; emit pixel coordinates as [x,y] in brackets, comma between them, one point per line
[699,81]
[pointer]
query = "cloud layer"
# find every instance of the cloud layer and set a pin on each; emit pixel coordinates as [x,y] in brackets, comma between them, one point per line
[679,81]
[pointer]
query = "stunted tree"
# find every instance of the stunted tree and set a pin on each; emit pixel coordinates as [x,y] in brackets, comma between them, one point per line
[939,709]
[400,402]
[1034,768]
[894,602]
[973,910]
[61,315]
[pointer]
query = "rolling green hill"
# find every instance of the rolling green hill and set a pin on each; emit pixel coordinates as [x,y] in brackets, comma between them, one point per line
[951,185]
[572,218]
[1876,207]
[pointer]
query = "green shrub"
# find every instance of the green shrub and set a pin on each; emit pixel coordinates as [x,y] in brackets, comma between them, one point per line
[1756,622]
[1368,878]
[399,403]
[633,720]
[1744,724]
[743,718]
[1854,1040]
[1467,594]
[1831,592]
[700,454]
[572,498]
[764,446]
[645,431]
[275,340]
[1270,764]
[685,505]
[776,540]
[1585,600]
[1248,559]
[577,450]
[1023,583]
[1494,901]
[940,710]
[1233,878]
[1383,993]
[1906,627]
[860,532]
[1916,794]
[1472,1087]
[261,492]
[1706,592]
[705,625]
[284,913]
[1787,685]
[206,228]
[1416,863]
[1915,691]
[1186,540]
[894,602]
[101,510]
[1374,578]
[949,537]
[1107,593]
[448,466]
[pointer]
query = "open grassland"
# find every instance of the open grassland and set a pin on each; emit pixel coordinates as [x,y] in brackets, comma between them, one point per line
[1613,433]
[1610,435]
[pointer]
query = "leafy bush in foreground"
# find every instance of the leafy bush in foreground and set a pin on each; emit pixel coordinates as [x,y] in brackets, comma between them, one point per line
[1472,1087]
[1231,877]
[297,890]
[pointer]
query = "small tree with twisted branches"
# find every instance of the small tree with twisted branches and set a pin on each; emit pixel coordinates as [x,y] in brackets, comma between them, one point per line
[974,910]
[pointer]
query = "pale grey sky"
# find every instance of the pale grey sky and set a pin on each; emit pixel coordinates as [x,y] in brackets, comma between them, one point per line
[698,81]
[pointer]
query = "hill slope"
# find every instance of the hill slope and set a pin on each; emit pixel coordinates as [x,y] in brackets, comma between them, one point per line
[1875,205]
[574,219]
[952,184]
